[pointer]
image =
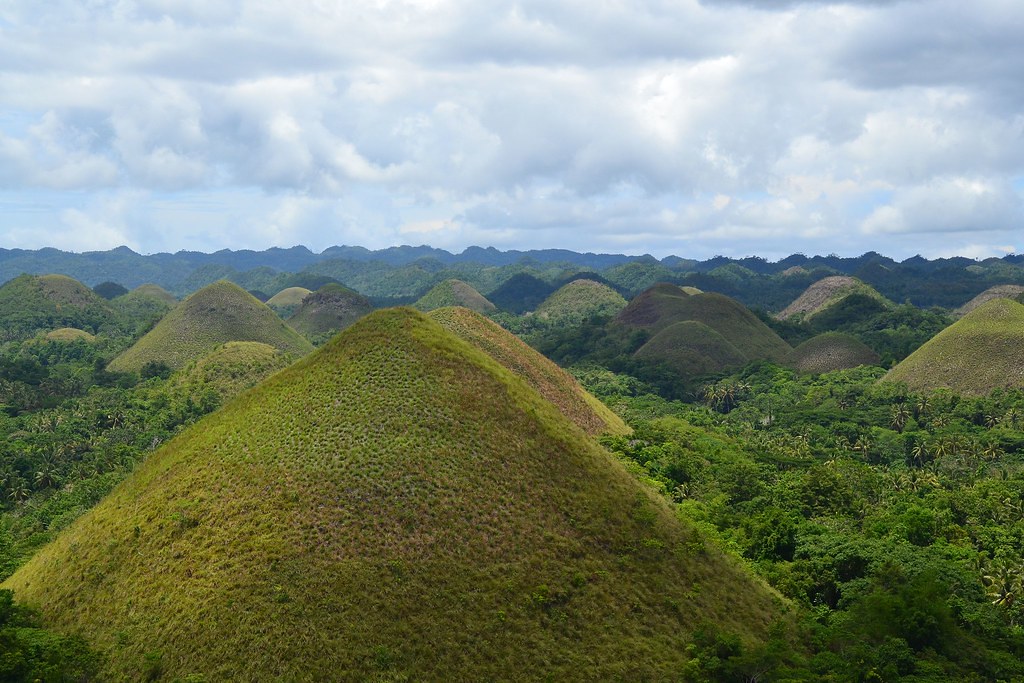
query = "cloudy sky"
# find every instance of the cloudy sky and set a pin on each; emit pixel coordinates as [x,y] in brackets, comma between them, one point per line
[638,126]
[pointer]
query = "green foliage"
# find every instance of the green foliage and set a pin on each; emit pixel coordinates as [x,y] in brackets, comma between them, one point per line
[31,653]
[31,304]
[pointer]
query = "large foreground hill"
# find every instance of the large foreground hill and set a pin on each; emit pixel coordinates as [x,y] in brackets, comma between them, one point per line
[395,506]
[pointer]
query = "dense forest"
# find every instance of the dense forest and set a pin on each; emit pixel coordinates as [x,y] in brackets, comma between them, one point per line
[886,516]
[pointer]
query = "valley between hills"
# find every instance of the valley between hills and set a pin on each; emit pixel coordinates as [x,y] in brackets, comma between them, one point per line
[412,465]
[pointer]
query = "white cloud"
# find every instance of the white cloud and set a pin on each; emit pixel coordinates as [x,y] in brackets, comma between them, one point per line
[714,127]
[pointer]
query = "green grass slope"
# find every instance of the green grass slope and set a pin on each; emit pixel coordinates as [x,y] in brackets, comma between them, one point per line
[232,368]
[552,382]
[214,315]
[288,300]
[31,304]
[329,310]
[826,293]
[578,301]
[831,351]
[454,292]
[396,506]
[692,349]
[976,354]
[665,304]
[997,292]
[69,334]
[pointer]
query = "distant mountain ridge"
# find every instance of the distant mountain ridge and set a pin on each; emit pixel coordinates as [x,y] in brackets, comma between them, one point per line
[402,274]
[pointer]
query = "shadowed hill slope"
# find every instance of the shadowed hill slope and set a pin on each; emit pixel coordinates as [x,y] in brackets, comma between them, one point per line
[692,348]
[216,314]
[831,351]
[454,292]
[396,506]
[144,305]
[550,381]
[664,305]
[997,292]
[828,292]
[329,310]
[981,351]
[580,300]
[31,304]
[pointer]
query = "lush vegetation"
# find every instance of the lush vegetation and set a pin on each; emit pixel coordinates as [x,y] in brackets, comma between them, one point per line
[578,301]
[288,300]
[891,519]
[829,292]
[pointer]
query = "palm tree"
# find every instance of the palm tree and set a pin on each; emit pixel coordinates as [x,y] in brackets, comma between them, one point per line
[900,416]
[920,453]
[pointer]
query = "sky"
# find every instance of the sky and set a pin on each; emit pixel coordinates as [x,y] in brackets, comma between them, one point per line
[731,127]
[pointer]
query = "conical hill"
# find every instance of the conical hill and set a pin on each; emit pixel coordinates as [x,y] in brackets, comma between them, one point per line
[997,292]
[692,348]
[826,293]
[144,305]
[831,351]
[396,506]
[454,292]
[580,300]
[664,304]
[216,314]
[550,381]
[976,354]
[288,300]
[38,303]
[329,310]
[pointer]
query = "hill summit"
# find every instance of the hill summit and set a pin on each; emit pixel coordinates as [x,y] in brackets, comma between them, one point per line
[580,300]
[36,303]
[726,328]
[826,293]
[454,292]
[976,354]
[329,310]
[214,315]
[395,506]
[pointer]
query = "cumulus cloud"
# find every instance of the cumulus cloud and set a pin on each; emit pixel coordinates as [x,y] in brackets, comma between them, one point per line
[688,127]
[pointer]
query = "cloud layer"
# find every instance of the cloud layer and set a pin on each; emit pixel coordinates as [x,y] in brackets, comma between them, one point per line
[665,127]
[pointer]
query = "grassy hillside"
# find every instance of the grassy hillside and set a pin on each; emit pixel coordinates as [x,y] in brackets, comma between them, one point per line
[31,304]
[664,305]
[232,368]
[692,348]
[580,300]
[329,310]
[831,351]
[454,292]
[216,314]
[550,381]
[396,506]
[826,293]
[288,300]
[981,351]
[997,292]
